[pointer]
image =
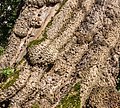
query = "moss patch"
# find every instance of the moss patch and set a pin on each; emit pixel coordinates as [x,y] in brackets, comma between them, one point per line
[50,23]
[62,4]
[10,81]
[72,99]
[1,50]
[7,71]
[37,42]
[35,105]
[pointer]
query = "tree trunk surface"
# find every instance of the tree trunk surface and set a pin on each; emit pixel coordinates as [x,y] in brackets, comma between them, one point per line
[57,45]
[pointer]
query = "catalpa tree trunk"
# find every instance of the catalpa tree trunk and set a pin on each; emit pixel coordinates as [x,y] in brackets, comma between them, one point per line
[63,54]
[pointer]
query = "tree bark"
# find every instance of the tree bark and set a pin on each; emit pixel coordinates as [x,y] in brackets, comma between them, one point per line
[56,44]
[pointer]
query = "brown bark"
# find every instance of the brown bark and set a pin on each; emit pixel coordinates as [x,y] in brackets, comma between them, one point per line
[55,46]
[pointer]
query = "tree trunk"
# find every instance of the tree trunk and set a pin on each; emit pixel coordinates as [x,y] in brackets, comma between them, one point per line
[59,46]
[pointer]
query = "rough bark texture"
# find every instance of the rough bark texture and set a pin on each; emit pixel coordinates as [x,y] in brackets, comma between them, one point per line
[58,43]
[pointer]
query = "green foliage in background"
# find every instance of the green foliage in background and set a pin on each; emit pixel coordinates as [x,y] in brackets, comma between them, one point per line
[9,11]
[118,84]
